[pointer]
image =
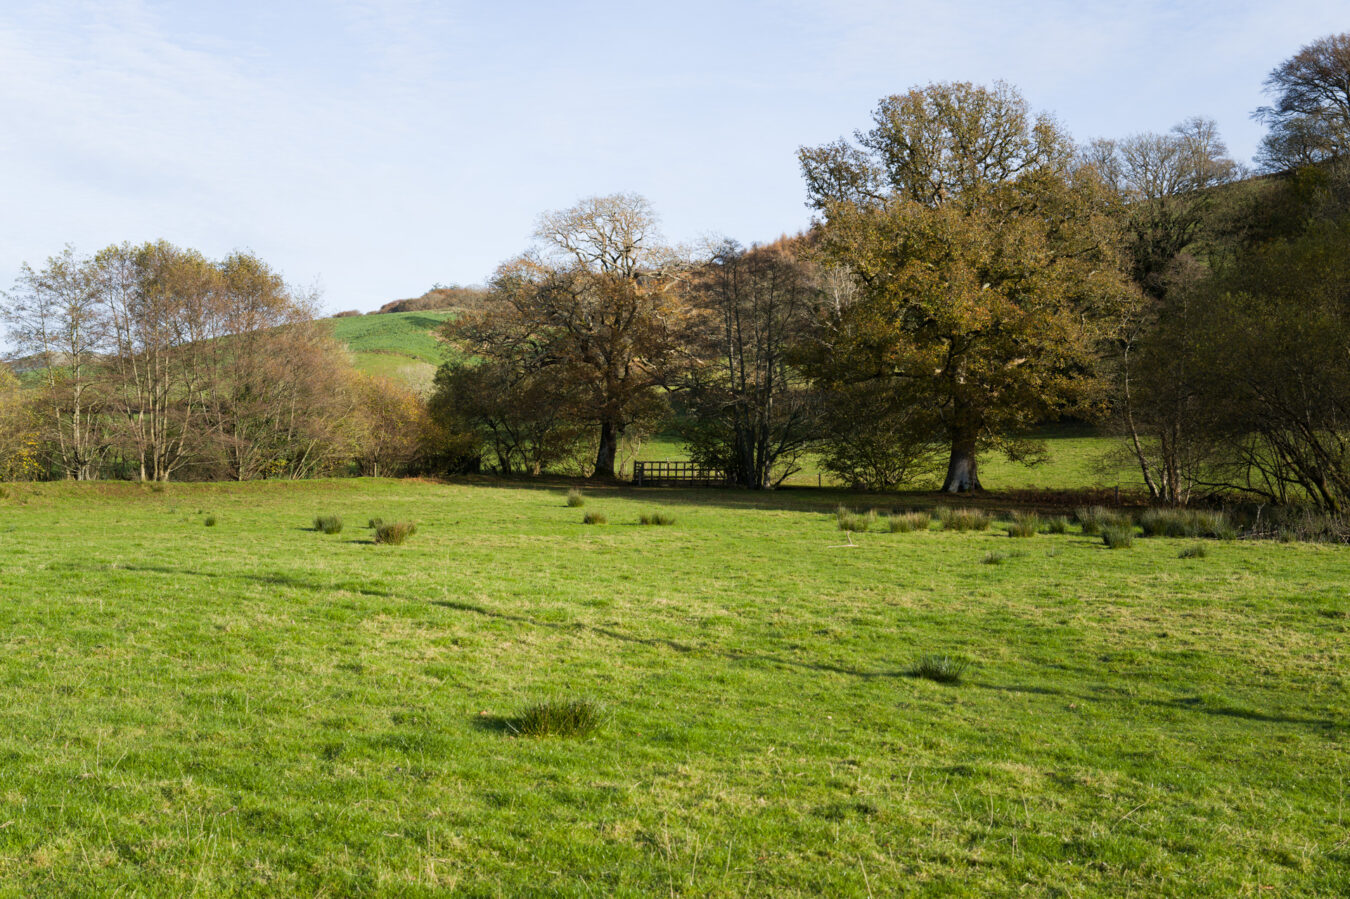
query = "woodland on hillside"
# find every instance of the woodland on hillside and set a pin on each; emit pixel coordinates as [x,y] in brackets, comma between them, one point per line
[971,272]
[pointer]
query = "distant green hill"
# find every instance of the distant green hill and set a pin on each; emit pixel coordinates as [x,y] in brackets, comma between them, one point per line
[395,344]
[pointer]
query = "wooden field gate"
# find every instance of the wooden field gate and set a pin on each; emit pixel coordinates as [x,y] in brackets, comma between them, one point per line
[678,474]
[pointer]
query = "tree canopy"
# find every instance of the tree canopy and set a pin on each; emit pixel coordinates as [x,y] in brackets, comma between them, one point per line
[982,253]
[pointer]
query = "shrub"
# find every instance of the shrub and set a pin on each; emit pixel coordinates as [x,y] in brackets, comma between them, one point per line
[656,518]
[1095,519]
[210,521]
[575,499]
[395,532]
[1118,536]
[1058,525]
[1025,524]
[854,521]
[594,518]
[963,519]
[559,718]
[908,521]
[943,669]
[1193,552]
[328,524]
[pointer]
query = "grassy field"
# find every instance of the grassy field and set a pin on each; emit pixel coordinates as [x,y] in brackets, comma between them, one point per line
[1078,456]
[255,707]
[395,344]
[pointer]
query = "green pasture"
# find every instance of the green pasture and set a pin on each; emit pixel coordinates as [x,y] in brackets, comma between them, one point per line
[400,345]
[256,707]
[1077,457]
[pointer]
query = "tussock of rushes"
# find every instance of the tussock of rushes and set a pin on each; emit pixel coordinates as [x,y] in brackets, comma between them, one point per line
[1025,524]
[575,498]
[328,524]
[943,669]
[656,518]
[594,518]
[1058,525]
[1185,523]
[1193,552]
[1118,536]
[374,523]
[905,522]
[998,557]
[559,718]
[210,521]
[1095,519]
[395,532]
[854,521]
[964,519]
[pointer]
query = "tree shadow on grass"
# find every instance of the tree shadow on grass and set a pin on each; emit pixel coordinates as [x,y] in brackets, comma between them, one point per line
[296,583]
[1182,703]
[1191,703]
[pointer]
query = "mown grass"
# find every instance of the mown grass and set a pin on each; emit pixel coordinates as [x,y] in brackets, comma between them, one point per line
[252,709]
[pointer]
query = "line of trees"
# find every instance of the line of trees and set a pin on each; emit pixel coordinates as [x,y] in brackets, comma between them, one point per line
[154,363]
[971,273]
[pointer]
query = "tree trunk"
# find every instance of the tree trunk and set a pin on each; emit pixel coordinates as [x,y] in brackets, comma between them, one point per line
[605,455]
[963,473]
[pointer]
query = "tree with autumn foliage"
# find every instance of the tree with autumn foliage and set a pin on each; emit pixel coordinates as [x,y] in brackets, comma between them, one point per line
[983,257]
[597,307]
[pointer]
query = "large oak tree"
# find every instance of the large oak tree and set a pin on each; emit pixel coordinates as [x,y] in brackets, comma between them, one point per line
[982,253]
[597,304]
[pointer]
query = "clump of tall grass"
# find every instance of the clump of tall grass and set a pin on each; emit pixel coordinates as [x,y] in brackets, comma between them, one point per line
[1058,525]
[1193,552]
[657,518]
[210,521]
[1095,519]
[850,520]
[1025,524]
[328,524]
[964,519]
[559,718]
[575,498]
[1186,523]
[998,557]
[943,669]
[905,522]
[395,532]
[594,518]
[1118,536]
[375,523]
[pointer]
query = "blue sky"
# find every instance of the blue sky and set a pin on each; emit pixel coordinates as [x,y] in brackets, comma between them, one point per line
[375,147]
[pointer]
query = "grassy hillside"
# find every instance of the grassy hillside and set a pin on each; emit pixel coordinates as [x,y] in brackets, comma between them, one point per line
[395,344]
[259,708]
